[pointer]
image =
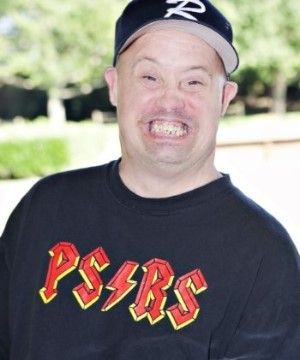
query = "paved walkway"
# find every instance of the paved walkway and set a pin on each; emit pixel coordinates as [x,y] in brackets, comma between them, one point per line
[10,193]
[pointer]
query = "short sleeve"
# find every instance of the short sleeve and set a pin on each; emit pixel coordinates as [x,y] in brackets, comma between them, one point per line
[269,327]
[8,246]
[4,284]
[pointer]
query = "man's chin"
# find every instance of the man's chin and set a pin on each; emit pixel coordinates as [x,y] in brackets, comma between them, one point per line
[167,159]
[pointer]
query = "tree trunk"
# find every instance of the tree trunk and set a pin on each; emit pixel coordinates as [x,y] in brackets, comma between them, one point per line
[55,108]
[279,93]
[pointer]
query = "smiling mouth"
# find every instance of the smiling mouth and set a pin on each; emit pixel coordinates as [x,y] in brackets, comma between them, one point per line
[168,128]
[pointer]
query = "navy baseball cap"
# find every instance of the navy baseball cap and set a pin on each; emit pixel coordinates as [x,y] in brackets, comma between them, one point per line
[196,17]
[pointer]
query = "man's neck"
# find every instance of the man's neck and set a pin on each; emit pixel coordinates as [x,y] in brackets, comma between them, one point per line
[165,181]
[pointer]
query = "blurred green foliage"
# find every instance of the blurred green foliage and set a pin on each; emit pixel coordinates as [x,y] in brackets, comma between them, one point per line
[22,158]
[37,148]
[267,34]
[267,37]
[64,46]
[58,44]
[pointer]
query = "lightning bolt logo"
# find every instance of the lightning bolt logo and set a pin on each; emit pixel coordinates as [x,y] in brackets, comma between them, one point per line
[121,284]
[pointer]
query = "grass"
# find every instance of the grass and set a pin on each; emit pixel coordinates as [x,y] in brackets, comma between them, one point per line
[21,158]
[84,138]
[83,142]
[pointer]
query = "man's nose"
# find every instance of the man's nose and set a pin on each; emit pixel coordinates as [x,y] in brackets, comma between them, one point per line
[171,99]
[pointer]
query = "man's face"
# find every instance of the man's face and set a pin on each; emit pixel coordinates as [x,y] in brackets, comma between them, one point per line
[170,90]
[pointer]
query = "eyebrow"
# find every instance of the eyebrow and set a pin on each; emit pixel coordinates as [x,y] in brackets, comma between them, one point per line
[189,68]
[199,67]
[146,58]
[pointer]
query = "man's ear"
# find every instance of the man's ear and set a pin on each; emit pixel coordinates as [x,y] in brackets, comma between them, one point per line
[111,78]
[230,90]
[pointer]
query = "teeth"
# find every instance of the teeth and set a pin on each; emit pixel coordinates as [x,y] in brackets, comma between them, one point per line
[168,129]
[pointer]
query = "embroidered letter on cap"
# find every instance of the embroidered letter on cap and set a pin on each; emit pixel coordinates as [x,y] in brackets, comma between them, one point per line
[185,11]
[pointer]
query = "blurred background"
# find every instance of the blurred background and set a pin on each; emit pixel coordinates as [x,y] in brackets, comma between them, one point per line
[55,114]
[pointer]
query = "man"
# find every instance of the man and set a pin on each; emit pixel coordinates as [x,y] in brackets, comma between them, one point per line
[156,255]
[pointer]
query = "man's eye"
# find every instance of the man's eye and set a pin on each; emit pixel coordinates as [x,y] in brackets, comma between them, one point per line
[149,77]
[195,82]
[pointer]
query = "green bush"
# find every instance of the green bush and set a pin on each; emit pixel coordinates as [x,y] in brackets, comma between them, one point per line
[20,158]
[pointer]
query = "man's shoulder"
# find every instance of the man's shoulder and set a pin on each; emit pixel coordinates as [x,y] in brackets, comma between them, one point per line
[71,184]
[70,177]
[82,177]
[259,223]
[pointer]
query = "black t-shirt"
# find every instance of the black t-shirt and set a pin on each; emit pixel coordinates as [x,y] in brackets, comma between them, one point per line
[89,270]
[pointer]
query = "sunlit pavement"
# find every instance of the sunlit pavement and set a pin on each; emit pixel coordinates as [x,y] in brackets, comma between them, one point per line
[268,174]
[271,178]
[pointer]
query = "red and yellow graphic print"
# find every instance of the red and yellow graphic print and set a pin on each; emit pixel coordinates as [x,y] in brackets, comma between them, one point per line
[151,298]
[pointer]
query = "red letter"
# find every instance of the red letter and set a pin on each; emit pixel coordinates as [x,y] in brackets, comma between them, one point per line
[187,310]
[89,291]
[121,284]
[64,259]
[151,297]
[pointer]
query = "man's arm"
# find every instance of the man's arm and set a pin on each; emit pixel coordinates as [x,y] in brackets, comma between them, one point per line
[269,328]
[8,245]
[4,281]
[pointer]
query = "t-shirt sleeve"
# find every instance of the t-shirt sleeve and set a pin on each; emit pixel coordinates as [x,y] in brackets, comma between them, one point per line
[269,327]
[4,280]
[8,245]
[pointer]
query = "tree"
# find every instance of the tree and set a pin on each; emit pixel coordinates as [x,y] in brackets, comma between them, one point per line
[60,46]
[267,34]
[3,6]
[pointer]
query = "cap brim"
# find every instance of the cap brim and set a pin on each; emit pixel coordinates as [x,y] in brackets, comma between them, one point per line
[224,49]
